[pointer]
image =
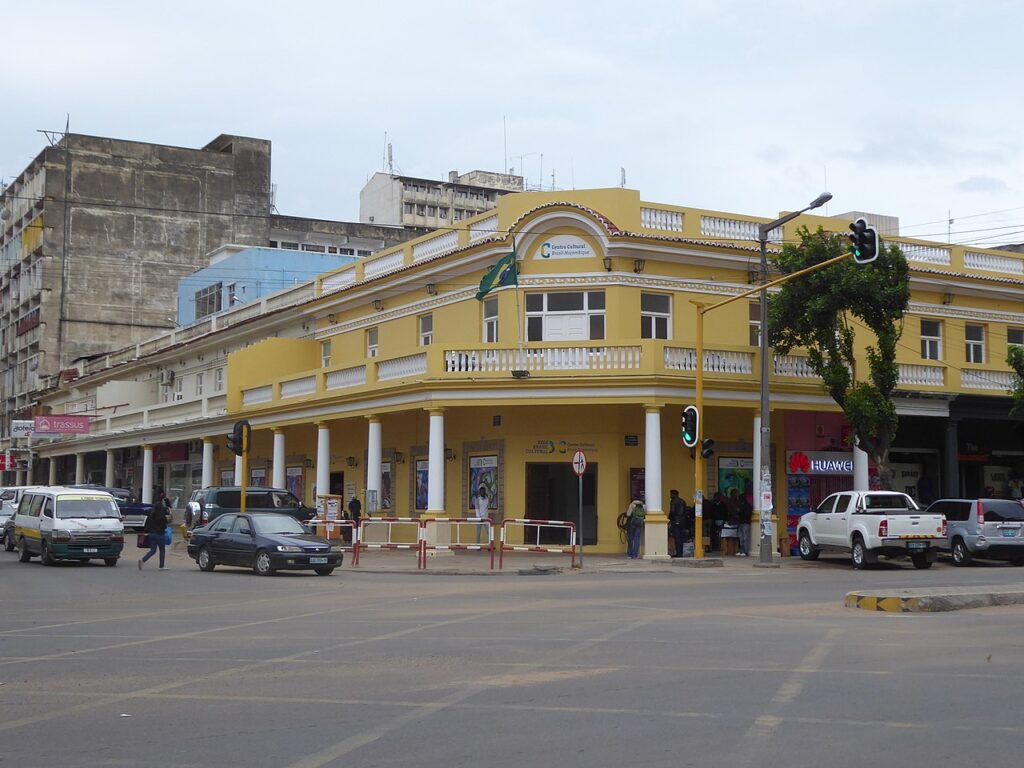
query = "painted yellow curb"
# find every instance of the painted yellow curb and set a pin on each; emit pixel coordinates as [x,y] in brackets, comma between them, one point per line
[887,604]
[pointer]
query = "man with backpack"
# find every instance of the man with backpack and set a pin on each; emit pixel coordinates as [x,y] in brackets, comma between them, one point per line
[635,516]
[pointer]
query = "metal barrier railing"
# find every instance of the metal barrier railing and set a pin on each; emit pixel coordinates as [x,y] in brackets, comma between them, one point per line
[564,549]
[389,543]
[457,525]
[344,529]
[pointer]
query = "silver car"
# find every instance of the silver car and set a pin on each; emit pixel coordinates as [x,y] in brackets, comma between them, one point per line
[990,529]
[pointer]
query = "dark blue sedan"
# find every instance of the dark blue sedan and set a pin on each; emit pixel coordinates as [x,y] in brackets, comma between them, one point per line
[264,541]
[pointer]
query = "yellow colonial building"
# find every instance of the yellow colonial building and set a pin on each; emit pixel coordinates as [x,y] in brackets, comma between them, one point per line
[391,381]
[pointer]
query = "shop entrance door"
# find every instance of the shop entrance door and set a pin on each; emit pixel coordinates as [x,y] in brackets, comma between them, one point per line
[552,493]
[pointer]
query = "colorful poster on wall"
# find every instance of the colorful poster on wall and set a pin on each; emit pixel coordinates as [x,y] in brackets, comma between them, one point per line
[258,478]
[637,484]
[735,472]
[422,473]
[293,480]
[385,485]
[227,477]
[483,472]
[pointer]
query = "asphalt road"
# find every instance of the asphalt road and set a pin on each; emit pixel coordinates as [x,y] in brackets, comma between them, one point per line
[714,667]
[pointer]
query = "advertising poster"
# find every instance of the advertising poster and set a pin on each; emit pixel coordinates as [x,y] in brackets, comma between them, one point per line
[422,472]
[258,478]
[483,471]
[735,472]
[293,479]
[227,477]
[637,487]
[385,485]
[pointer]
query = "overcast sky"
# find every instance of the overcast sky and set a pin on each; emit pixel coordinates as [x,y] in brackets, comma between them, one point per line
[902,107]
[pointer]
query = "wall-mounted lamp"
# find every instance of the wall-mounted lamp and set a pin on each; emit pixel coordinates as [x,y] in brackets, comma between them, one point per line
[449,454]
[308,463]
[351,461]
[947,298]
[398,457]
[378,305]
[431,289]
[607,263]
[638,265]
[331,318]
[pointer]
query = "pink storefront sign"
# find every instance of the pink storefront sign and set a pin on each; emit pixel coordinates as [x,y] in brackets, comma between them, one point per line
[61,425]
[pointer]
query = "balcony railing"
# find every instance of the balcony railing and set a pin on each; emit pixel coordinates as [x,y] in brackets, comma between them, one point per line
[922,375]
[715,360]
[604,358]
[1001,381]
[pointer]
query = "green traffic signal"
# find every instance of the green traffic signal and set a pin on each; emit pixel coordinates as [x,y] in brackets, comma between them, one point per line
[691,426]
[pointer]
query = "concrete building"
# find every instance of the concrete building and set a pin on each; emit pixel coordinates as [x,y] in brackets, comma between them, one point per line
[431,204]
[98,232]
[388,379]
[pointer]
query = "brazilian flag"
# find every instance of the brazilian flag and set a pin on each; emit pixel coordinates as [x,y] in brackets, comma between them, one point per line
[502,273]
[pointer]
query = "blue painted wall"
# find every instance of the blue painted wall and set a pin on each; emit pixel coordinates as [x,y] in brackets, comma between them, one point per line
[255,272]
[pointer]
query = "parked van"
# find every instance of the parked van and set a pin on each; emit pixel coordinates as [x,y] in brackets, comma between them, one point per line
[59,523]
[9,499]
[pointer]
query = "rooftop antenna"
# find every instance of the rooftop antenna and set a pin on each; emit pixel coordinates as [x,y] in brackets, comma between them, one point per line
[391,166]
[622,174]
[384,156]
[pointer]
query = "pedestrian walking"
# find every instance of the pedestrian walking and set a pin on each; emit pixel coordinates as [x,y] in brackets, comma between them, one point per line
[635,516]
[481,503]
[746,510]
[677,522]
[355,509]
[155,528]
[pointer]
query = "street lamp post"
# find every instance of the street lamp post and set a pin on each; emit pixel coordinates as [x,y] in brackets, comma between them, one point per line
[766,430]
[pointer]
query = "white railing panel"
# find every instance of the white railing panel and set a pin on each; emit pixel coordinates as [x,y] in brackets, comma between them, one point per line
[1008,265]
[796,366]
[338,281]
[296,387]
[926,254]
[544,359]
[402,367]
[449,241]
[1002,381]
[258,395]
[349,377]
[382,264]
[735,229]
[483,228]
[655,218]
[715,360]
[922,375]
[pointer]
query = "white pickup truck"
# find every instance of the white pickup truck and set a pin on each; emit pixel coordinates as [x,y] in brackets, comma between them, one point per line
[871,523]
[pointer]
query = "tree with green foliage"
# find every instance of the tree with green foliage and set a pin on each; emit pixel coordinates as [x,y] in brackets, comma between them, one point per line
[1015,359]
[819,311]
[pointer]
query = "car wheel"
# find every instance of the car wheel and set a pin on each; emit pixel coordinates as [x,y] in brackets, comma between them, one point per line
[1017,562]
[961,555]
[23,554]
[324,571]
[9,542]
[44,554]
[921,561]
[205,559]
[859,554]
[111,561]
[807,549]
[261,564]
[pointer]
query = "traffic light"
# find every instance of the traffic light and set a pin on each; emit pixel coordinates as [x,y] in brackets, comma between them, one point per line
[864,242]
[707,448]
[691,426]
[238,440]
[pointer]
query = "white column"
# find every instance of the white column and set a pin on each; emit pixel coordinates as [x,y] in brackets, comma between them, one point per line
[108,469]
[435,477]
[207,462]
[656,527]
[79,468]
[52,477]
[147,474]
[373,460]
[861,482]
[278,472]
[239,480]
[323,459]
[19,477]
[755,528]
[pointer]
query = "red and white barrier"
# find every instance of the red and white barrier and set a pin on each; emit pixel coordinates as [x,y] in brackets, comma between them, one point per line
[346,530]
[457,525]
[526,523]
[389,543]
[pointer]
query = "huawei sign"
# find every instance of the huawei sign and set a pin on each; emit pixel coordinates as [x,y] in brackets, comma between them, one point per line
[799,463]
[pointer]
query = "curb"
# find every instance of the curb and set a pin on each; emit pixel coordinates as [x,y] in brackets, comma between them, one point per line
[933,601]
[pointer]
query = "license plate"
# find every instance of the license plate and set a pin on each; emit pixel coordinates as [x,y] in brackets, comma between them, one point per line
[1009,533]
[90,550]
[917,545]
[317,560]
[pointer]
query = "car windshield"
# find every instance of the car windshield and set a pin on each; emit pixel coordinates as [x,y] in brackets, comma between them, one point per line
[86,507]
[276,524]
[1002,510]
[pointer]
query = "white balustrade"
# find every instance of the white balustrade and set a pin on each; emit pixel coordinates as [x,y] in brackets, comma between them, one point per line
[483,228]
[990,262]
[922,375]
[338,280]
[543,359]
[655,218]
[995,380]
[381,264]
[296,387]
[349,377]
[797,366]
[402,367]
[715,360]
[449,241]
[258,395]
[927,254]
[735,229]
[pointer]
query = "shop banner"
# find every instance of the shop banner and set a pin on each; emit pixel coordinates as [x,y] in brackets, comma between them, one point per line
[61,425]
[819,463]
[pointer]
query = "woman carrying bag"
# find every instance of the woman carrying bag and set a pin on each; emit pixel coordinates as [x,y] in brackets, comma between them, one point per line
[156,529]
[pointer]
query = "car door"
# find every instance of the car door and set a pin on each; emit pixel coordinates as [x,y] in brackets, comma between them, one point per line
[217,532]
[822,521]
[240,542]
[839,524]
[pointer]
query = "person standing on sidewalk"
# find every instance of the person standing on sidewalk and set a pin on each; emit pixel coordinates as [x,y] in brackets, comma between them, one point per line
[746,510]
[677,526]
[155,527]
[635,516]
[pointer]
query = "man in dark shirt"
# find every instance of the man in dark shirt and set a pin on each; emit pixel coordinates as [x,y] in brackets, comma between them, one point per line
[677,522]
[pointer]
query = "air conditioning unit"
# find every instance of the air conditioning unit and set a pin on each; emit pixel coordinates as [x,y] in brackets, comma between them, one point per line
[166,378]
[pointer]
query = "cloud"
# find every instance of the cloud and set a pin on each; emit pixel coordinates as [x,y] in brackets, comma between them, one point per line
[981,184]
